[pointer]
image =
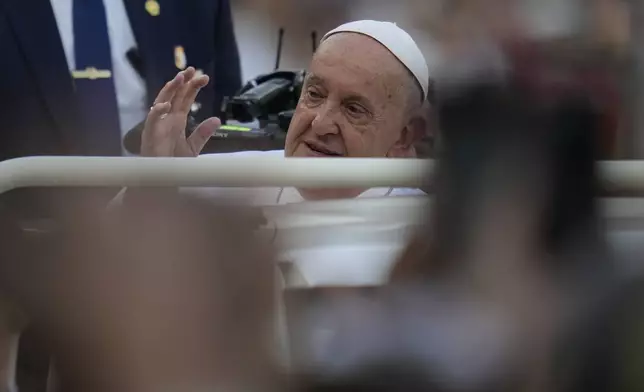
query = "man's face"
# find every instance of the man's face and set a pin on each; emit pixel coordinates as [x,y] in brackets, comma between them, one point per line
[353,104]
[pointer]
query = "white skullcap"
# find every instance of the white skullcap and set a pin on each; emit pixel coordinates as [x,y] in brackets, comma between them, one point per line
[397,41]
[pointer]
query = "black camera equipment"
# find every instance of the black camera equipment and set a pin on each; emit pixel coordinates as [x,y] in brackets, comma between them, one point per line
[268,101]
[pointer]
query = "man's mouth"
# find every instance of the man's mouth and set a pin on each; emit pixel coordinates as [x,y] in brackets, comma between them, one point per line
[320,150]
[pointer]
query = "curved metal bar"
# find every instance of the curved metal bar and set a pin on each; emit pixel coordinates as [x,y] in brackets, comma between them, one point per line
[250,171]
[224,171]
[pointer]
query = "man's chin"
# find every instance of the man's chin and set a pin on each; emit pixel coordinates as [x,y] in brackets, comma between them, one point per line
[329,194]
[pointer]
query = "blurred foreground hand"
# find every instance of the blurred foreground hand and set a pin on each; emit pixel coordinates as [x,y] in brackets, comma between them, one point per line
[170,294]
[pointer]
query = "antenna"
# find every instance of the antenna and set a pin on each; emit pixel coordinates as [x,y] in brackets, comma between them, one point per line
[280,41]
[314,40]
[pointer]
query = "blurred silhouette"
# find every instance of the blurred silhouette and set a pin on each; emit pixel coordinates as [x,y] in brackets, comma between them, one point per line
[130,302]
[527,139]
[77,74]
[514,220]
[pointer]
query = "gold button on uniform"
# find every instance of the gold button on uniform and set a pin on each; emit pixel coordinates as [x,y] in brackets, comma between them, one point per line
[153,7]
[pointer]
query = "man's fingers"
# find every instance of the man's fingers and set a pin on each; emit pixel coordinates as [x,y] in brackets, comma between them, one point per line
[154,142]
[188,76]
[170,89]
[198,139]
[195,85]
[157,113]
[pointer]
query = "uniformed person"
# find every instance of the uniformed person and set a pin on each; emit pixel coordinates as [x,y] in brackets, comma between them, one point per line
[77,74]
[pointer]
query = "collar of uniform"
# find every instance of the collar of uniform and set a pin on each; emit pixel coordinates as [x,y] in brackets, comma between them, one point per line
[290,195]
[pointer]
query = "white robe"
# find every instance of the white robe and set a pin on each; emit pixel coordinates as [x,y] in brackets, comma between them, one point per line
[347,242]
[330,242]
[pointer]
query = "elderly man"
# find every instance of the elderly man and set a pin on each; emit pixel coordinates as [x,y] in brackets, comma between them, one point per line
[363,97]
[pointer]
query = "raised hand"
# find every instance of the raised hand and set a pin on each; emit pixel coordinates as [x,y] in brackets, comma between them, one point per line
[164,133]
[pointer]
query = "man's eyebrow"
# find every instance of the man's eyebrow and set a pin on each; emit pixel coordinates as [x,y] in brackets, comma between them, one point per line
[312,78]
[353,97]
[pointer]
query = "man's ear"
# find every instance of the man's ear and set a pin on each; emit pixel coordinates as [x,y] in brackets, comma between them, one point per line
[411,134]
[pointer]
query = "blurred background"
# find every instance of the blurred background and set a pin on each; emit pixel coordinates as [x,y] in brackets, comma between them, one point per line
[257,23]
[614,23]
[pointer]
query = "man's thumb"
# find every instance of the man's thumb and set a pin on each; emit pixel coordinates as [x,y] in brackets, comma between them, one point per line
[199,137]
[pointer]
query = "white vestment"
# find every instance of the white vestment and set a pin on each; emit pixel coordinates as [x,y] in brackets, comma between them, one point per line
[330,242]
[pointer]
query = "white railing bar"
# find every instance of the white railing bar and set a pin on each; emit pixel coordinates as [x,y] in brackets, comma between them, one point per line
[223,171]
[245,171]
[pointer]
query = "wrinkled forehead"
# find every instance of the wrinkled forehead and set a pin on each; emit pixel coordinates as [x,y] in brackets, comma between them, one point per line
[357,62]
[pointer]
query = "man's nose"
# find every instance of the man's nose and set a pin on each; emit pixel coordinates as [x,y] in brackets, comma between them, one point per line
[324,122]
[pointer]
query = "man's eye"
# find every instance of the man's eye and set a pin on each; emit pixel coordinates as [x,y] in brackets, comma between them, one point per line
[314,95]
[356,110]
